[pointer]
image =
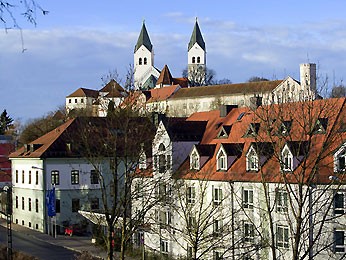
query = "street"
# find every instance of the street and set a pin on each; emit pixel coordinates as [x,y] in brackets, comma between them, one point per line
[32,246]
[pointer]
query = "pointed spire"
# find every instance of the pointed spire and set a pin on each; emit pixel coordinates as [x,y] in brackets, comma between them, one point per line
[165,77]
[196,37]
[144,39]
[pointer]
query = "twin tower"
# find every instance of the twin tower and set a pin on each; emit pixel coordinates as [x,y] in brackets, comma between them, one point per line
[145,72]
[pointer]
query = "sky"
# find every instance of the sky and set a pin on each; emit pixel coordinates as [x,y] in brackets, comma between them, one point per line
[78,42]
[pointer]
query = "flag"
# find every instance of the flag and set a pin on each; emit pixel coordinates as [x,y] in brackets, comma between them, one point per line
[50,201]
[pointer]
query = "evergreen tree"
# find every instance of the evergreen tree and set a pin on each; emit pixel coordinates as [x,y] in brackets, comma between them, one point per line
[5,122]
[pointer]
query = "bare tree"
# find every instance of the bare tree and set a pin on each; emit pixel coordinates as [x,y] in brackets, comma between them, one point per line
[118,147]
[199,76]
[298,176]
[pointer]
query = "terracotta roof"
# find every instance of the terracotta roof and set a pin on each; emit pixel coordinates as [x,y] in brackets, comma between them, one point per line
[165,77]
[84,92]
[227,89]
[161,94]
[111,86]
[183,82]
[316,150]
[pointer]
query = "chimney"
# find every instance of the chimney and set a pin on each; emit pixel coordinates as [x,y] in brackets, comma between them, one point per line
[225,109]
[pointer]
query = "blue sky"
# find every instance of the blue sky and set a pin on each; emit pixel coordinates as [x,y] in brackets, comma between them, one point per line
[79,41]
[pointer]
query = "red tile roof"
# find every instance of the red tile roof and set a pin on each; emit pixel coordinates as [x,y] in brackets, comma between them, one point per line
[162,94]
[84,92]
[318,148]
[227,89]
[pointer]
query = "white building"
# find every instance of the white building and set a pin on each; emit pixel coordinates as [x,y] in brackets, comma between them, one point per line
[247,184]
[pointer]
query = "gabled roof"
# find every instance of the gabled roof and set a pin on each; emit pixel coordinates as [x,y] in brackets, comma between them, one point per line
[205,149]
[196,37]
[179,129]
[165,77]
[150,83]
[227,89]
[161,94]
[144,39]
[233,149]
[112,86]
[84,92]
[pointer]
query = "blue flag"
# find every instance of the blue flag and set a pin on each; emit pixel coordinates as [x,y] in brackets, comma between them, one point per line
[50,201]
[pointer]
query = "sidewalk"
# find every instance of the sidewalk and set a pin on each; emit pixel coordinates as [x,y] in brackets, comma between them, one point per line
[75,243]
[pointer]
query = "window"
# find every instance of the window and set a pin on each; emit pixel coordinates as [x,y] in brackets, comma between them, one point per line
[29,204]
[16,202]
[145,61]
[194,161]
[163,217]
[75,205]
[247,198]
[164,246]
[82,100]
[193,59]
[76,101]
[55,177]
[339,241]
[198,59]
[339,203]
[23,176]
[217,255]
[287,160]
[16,176]
[282,236]
[74,177]
[94,204]
[190,252]
[320,126]
[221,161]
[23,207]
[36,205]
[341,160]
[249,232]
[29,177]
[191,194]
[281,201]
[140,61]
[217,195]
[252,160]
[162,158]
[69,101]
[36,178]
[191,222]
[94,178]
[57,205]
[217,227]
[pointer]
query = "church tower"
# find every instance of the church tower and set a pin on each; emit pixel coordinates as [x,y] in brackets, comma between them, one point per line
[143,58]
[196,57]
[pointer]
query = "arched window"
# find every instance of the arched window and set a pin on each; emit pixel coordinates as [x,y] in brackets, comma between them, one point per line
[162,147]
[287,160]
[221,161]
[198,59]
[194,161]
[145,61]
[193,60]
[140,61]
[252,160]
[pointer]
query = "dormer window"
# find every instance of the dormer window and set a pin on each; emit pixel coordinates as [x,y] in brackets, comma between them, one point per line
[194,160]
[224,132]
[221,160]
[286,160]
[252,160]
[252,130]
[320,126]
[285,128]
[340,159]
[162,158]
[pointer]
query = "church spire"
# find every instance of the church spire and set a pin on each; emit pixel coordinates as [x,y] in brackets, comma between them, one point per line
[196,37]
[144,39]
